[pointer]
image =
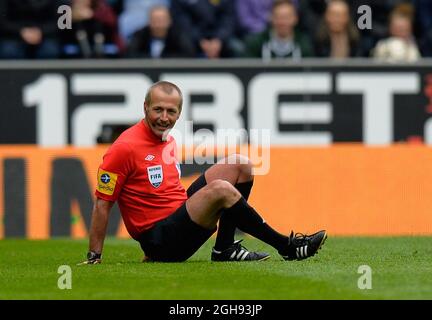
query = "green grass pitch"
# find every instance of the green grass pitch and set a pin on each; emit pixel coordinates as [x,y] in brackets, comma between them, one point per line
[401,269]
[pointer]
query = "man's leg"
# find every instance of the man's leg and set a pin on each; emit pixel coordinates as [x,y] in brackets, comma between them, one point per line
[237,170]
[239,174]
[205,206]
[227,225]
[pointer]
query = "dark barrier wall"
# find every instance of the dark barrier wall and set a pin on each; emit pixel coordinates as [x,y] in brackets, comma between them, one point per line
[313,103]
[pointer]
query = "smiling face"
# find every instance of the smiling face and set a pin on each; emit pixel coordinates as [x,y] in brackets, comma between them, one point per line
[163,111]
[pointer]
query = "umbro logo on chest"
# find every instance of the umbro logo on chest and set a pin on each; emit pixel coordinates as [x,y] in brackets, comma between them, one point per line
[149,157]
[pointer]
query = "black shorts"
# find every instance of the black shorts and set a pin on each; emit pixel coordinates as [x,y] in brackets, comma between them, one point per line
[176,238]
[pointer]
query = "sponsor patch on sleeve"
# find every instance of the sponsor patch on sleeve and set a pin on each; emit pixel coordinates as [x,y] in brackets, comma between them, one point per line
[106,182]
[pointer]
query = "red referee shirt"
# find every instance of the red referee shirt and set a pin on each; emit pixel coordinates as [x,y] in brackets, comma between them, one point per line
[142,173]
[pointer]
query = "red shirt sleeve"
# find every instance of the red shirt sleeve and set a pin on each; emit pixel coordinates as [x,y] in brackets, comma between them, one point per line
[113,172]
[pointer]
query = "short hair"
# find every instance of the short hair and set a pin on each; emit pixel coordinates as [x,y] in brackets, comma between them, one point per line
[277,3]
[403,10]
[167,87]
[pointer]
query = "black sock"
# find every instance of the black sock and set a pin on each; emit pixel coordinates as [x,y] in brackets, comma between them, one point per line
[244,188]
[249,221]
[227,223]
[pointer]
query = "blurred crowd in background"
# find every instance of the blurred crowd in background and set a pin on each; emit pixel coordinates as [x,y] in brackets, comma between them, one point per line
[212,29]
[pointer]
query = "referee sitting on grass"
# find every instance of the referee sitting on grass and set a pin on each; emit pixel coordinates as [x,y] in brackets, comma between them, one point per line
[140,171]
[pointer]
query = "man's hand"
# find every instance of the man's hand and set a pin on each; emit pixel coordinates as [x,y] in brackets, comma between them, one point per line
[92,258]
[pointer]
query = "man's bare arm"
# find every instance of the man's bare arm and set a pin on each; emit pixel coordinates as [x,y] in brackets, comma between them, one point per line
[99,223]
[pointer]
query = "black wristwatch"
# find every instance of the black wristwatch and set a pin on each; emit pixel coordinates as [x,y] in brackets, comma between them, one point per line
[91,255]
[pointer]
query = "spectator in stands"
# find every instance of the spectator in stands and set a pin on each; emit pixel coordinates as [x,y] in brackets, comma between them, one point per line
[401,44]
[135,16]
[281,39]
[210,24]
[253,15]
[28,29]
[380,13]
[337,36]
[159,39]
[94,31]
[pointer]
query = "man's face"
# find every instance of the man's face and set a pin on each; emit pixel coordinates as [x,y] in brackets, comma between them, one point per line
[160,21]
[163,112]
[284,19]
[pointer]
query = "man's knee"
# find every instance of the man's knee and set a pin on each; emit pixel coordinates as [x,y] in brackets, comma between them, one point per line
[243,165]
[222,190]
